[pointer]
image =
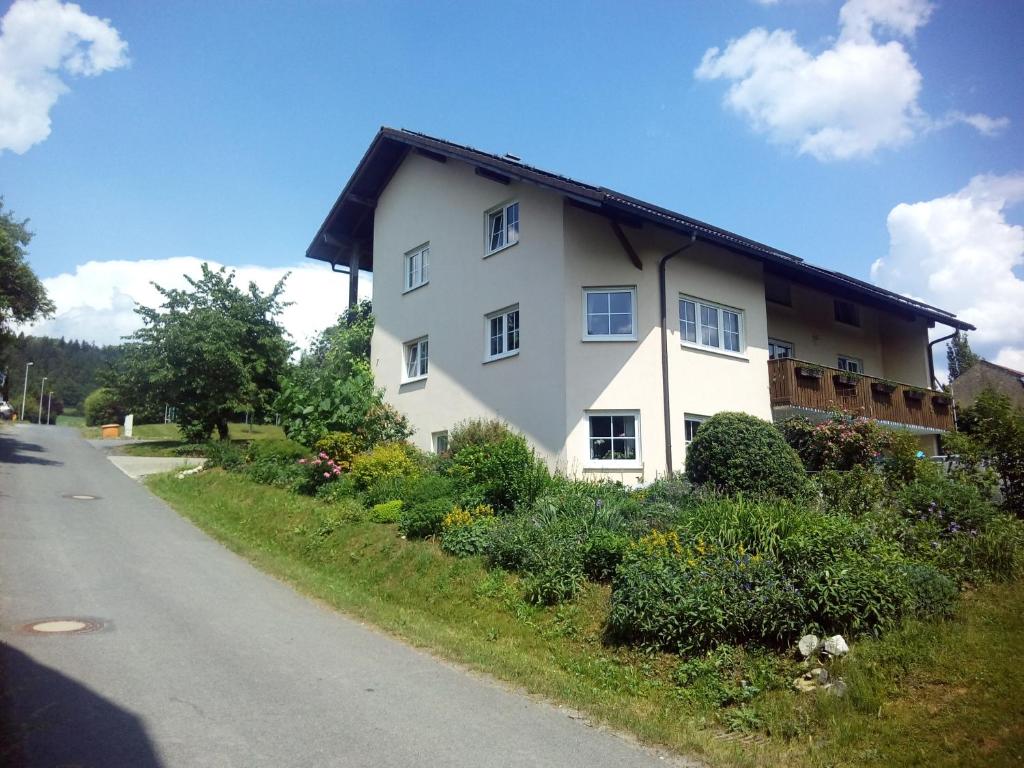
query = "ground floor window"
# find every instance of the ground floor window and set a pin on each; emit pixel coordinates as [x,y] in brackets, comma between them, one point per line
[440,442]
[614,437]
[691,423]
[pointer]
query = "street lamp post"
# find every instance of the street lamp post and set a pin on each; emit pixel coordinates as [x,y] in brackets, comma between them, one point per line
[24,391]
[49,402]
[41,388]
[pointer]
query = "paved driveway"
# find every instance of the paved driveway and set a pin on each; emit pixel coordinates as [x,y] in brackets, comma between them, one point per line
[201,660]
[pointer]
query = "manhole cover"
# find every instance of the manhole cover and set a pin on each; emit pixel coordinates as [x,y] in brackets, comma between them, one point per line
[80,496]
[61,626]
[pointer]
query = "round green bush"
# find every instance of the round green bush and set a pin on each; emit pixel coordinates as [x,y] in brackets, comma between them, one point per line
[740,453]
[103,407]
[423,520]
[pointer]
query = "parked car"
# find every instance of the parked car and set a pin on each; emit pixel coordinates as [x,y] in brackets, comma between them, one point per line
[6,411]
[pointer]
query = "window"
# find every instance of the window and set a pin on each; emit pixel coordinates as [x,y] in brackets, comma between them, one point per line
[850,364]
[847,312]
[440,442]
[416,358]
[503,334]
[779,349]
[691,423]
[417,267]
[609,314]
[778,291]
[703,324]
[614,438]
[502,227]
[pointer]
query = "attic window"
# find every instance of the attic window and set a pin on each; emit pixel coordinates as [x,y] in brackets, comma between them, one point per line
[778,291]
[847,312]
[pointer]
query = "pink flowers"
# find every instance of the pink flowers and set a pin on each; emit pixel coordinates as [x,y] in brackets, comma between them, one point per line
[327,475]
[302,461]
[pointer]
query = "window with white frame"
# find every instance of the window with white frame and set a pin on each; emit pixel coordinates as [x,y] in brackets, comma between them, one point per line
[850,364]
[708,325]
[417,267]
[440,442]
[778,349]
[609,314]
[691,423]
[502,333]
[416,358]
[502,227]
[614,438]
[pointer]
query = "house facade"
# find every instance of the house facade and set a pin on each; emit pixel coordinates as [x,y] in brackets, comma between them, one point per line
[601,327]
[985,375]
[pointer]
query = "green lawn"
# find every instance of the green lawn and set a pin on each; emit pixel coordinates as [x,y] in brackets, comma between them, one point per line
[927,695]
[170,435]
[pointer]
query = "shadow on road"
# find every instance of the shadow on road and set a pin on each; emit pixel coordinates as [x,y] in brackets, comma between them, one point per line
[48,719]
[15,451]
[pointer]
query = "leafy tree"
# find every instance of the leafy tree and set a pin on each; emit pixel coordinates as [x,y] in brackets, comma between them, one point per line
[997,427]
[22,296]
[212,350]
[331,388]
[72,368]
[959,355]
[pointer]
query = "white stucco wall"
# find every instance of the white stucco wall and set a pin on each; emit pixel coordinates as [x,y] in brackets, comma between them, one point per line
[626,375]
[889,346]
[444,204]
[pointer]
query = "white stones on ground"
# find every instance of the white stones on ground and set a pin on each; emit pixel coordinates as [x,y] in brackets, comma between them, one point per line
[193,471]
[836,688]
[808,645]
[805,685]
[835,646]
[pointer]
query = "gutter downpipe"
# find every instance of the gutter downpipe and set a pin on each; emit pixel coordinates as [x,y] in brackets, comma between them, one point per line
[664,349]
[931,357]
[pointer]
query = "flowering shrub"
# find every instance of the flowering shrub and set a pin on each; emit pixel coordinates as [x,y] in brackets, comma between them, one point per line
[319,471]
[840,443]
[340,447]
[464,530]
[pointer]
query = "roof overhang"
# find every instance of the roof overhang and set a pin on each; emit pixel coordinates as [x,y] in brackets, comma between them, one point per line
[349,224]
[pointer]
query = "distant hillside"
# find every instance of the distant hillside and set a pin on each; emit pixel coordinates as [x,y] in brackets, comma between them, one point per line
[71,367]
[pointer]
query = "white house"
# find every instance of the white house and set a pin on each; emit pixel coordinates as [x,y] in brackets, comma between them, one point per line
[602,327]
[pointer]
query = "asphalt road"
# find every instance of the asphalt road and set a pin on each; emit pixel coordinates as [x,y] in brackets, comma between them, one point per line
[202,660]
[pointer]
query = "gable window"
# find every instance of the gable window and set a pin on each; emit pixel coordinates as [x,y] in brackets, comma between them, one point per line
[847,312]
[502,227]
[691,423]
[416,359]
[779,349]
[614,438]
[850,364]
[417,267]
[440,442]
[609,314]
[711,326]
[503,333]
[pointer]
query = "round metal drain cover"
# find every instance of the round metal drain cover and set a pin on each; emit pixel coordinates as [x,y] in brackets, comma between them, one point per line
[80,496]
[62,625]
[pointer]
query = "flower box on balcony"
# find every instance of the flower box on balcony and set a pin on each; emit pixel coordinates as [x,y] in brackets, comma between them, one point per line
[810,372]
[883,387]
[914,394]
[846,379]
[941,400]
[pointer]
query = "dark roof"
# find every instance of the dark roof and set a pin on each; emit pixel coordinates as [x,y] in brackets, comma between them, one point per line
[350,219]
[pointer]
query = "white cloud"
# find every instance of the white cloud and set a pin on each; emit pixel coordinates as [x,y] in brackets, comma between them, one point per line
[850,100]
[40,40]
[96,302]
[1011,357]
[960,253]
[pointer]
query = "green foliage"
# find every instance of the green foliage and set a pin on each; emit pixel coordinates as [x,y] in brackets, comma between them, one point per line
[339,490]
[477,432]
[739,453]
[211,350]
[275,462]
[332,390]
[384,463]
[464,530]
[280,451]
[224,454]
[387,512]
[341,447]
[959,355]
[934,593]
[841,442]
[506,474]
[103,406]
[72,368]
[423,520]
[22,295]
[852,493]
[998,429]
[728,675]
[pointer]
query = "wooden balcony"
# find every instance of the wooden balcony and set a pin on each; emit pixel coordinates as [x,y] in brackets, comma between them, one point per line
[801,386]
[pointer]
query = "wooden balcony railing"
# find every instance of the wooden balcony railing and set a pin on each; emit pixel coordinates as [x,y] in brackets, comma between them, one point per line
[799,384]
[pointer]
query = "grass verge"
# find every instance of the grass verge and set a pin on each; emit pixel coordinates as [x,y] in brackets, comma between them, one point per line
[170,435]
[928,694]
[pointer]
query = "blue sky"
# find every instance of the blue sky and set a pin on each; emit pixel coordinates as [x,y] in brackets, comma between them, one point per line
[234,126]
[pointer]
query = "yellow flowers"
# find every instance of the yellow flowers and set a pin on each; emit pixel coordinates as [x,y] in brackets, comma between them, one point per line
[660,544]
[462,516]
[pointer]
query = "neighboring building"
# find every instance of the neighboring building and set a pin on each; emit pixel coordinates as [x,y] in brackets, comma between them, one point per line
[503,291]
[985,375]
